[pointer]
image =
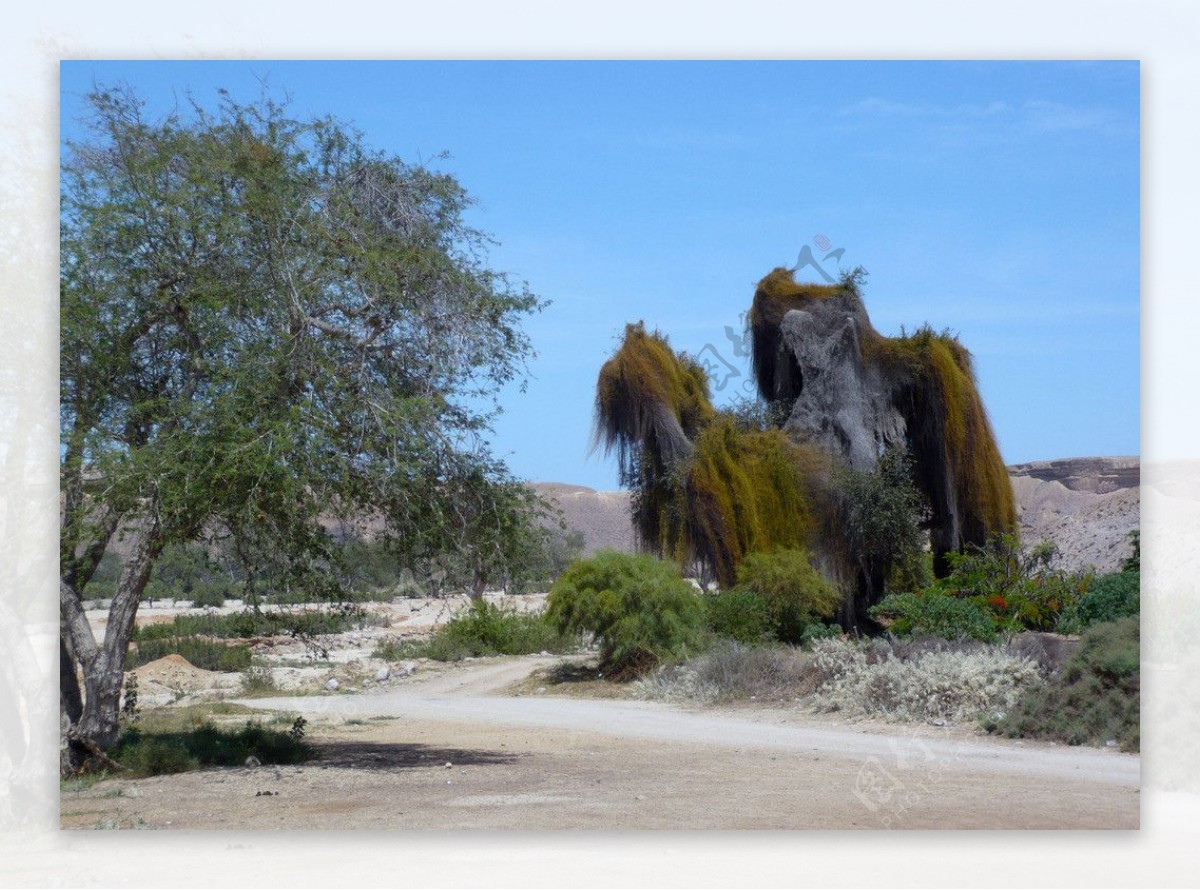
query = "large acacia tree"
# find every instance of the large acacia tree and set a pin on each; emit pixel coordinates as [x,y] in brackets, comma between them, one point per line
[264,322]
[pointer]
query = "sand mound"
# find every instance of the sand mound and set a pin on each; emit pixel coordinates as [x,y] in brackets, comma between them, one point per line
[176,673]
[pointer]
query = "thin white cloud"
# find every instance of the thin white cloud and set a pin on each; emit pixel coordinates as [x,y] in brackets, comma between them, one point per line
[1051,117]
[879,106]
[1038,115]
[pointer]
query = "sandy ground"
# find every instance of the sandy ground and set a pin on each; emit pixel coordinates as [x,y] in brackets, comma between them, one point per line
[464,747]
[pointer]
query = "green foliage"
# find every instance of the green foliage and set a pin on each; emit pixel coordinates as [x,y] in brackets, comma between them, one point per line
[258,680]
[265,321]
[934,613]
[742,492]
[739,614]
[1093,699]
[795,594]
[209,654]
[705,487]
[486,629]
[639,609]
[1021,589]
[248,623]
[883,517]
[158,753]
[547,552]
[1108,598]
[758,415]
[648,395]
[818,631]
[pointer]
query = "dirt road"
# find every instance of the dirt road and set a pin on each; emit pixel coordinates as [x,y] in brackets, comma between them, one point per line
[538,761]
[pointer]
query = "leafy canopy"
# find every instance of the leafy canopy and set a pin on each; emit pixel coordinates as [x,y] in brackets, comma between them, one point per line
[263,320]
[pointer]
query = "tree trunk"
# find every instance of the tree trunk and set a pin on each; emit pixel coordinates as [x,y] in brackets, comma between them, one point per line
[94,729]
[478,583]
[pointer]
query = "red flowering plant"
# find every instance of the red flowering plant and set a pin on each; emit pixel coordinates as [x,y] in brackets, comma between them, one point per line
[1020,588]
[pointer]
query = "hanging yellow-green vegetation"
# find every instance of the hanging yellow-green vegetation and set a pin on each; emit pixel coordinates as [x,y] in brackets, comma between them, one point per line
[747,491]
[650,397]
[924,386]
[703,489]
[706,489]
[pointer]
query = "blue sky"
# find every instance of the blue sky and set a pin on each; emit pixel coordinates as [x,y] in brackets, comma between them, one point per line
[999,200]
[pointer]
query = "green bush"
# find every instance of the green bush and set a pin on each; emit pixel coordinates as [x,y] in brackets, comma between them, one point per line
[1019,587]
[208,594]
[814,632]
[637,607]
[486,629]
[151,754]
[738,614]
[1093,699]
[795,594]
[934,613]
[1108,598]
[211,655]
[248,623]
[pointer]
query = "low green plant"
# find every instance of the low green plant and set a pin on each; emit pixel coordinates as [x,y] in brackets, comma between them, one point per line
[487,629]
[251,623]
[1108,598]
[935,613]
[1093,699]
[210,595]
[155,753]
[258,680]
[794,593]
[482,630]
[739,615]
[637,607]
[819,631]
[1019,587]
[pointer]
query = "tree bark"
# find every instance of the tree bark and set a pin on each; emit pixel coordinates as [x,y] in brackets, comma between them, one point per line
[94,729]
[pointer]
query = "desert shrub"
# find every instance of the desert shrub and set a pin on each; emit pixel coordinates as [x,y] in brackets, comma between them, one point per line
[738,614]
[818,631]
[209,654]
[486,629]
[249,623]
[209,595]
[870,680]
[258,680]
[1049,651]
[637,607]
[883,516]
[396,650]
[1019,587]
[795,594]
[934,613]
[1093,699]
[1108,598]
[156,753]
[730,671]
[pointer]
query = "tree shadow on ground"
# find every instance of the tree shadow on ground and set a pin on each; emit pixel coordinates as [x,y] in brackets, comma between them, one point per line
[401,755]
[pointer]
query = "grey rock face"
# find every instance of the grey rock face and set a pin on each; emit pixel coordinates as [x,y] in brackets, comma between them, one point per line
[843,405]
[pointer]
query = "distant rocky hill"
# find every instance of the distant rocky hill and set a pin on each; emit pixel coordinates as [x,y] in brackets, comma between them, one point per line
[1086,505]
[602,516]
